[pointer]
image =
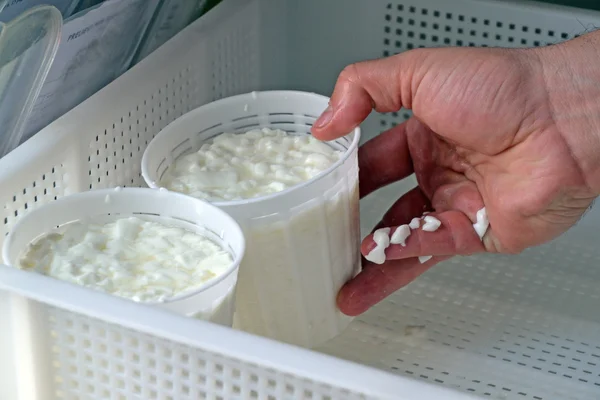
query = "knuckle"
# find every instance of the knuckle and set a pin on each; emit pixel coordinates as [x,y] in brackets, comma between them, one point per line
[461,247]
[494,245]
[513,250]
[350,73]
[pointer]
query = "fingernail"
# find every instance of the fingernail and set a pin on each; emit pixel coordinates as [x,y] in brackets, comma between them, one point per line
[325,118]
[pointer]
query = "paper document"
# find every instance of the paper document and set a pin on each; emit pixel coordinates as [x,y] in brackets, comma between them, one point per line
[97,46]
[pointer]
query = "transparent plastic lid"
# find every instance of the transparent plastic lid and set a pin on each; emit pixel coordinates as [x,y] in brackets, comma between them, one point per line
[13,8]
[28,45]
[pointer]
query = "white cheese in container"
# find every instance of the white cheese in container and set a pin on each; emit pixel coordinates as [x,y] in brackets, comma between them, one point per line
[132,258]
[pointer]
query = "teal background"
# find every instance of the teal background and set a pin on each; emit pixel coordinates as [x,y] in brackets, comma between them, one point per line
[589,4]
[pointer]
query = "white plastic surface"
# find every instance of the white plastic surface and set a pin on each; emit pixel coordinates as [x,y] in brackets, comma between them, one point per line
[303,242]
[213,301]
[497,327]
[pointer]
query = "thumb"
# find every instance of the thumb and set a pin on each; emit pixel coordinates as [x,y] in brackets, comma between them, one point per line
[385,85]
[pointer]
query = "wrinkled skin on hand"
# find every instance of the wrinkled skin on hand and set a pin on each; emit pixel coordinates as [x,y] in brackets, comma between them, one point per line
[490,128]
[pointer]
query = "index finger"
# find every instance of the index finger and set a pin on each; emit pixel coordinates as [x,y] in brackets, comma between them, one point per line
[360,88]
[376,282]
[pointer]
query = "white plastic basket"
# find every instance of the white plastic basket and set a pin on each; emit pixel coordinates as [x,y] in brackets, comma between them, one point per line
[213,301]
[303,242]
[500,327]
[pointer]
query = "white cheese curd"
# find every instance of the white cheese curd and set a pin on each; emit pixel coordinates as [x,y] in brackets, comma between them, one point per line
[431,224]
[415,223]
[382,240]
[133,258]
[400,235]
[424,259]
[247,165]
[482,224]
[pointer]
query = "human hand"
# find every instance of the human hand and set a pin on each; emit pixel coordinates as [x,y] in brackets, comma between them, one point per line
[515,131]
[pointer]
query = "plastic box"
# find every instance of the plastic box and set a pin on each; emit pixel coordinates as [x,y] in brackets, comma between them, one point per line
[28,45]
[14,8]
[495,327]
[96,46]
[303,242]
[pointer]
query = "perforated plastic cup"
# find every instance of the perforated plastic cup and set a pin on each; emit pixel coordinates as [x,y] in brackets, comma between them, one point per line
[213,301]
[303,242]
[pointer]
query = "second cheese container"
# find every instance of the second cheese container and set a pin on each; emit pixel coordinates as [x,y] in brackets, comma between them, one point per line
[303,242]
[208,297]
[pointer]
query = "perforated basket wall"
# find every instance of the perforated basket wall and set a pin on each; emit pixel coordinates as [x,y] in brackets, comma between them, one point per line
[95,359]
